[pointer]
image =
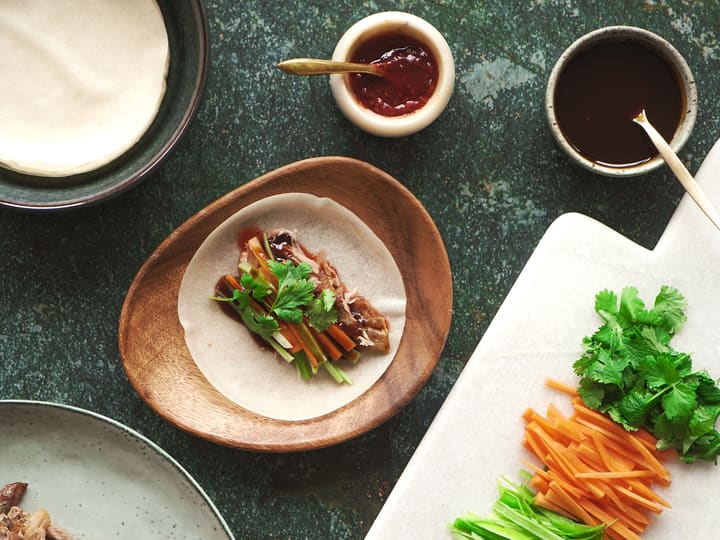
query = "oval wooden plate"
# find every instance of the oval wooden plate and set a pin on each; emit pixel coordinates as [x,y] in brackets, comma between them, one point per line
[152,342]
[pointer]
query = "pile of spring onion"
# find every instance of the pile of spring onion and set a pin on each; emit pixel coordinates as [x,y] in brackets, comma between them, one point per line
[516,517]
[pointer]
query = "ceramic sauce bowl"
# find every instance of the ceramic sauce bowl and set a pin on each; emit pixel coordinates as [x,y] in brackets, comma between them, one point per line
[606,78]
[371,32]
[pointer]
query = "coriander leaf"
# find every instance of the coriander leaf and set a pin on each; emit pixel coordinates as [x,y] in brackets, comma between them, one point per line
[707,390]
[703,420]
[591,392]
[321,310]
[327,298]
[606,304]
[654,341]
[671,305]
[291,297]
[630,304]
[683,364]
[610,334]
[259,289]
[634,409]
[288,272]
[649,318]
[261,323]
[582,363]
[608,372]
[658,372]
[294,289]
[240,298]
[679,402]
[706,447]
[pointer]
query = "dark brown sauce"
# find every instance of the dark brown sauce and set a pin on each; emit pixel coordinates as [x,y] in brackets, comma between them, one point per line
[280,246]
[603,88]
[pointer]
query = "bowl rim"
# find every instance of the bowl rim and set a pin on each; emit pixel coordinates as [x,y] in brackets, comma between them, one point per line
[395,126]
[657,44]
[159,157]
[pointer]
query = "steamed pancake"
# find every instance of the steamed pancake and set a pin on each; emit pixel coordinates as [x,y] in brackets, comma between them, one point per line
[80,81]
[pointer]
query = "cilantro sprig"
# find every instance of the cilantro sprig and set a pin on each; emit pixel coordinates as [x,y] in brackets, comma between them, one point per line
[630,371]
[321,311]
[261,323]
[294,290]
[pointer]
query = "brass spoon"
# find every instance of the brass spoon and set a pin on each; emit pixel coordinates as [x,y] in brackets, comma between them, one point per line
[677,167]
[315,66]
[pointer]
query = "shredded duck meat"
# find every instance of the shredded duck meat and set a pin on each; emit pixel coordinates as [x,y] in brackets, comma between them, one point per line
[17,524]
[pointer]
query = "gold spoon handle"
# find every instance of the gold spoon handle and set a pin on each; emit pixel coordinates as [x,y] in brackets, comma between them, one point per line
[315,66]
[682,174]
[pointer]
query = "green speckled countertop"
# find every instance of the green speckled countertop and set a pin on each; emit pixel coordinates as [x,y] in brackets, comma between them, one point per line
[488,172]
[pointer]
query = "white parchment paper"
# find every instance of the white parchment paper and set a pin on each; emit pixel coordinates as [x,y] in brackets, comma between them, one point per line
[224,350]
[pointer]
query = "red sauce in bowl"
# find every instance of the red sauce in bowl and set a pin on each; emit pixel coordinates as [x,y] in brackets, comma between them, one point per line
[410,74]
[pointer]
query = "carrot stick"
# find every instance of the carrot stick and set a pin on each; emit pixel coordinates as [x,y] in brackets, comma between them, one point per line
[258,252]
[562,387]
[293,338]
[613,524]
[614,474]
[550,500]
[341,337]
[647,492]
[327,345]
[234,283]
[640,500]
[305,347]
[571,504]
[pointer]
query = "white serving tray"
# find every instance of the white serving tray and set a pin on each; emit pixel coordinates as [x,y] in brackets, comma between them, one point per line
[537,334]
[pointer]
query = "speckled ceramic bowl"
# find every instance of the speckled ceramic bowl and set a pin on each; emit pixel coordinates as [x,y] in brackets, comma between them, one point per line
[411,25]
[655,44]
[186,24]
[99,478]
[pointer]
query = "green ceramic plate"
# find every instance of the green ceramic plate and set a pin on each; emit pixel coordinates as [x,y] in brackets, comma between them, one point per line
[101,479]
[187,29]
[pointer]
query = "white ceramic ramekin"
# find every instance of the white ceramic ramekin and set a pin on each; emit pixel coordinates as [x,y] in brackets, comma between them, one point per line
[656,44]
[413,26]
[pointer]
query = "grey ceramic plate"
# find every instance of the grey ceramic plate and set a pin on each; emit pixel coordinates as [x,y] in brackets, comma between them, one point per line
[100,479]
[186,24]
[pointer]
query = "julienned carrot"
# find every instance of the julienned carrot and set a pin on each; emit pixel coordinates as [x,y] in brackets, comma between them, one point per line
[293,329]
[327,345]
[599,475]
[562,387]
[341,337]
[258,252]
[293,338]
[233,282]
[593,470]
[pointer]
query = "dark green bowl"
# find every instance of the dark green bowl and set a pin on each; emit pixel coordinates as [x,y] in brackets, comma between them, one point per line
[187,29]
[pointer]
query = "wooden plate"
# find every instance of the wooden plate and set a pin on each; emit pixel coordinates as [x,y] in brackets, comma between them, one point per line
[160,367]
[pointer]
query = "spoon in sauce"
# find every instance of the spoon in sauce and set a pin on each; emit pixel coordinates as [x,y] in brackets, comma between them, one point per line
[316,66]
[677,167]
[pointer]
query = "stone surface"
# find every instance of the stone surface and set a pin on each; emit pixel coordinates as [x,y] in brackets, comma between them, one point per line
[488,172]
